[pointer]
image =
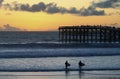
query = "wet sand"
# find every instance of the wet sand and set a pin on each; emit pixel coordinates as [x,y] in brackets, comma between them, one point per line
[115,74]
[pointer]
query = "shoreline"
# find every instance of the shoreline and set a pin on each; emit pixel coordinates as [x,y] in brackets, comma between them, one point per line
[58,70]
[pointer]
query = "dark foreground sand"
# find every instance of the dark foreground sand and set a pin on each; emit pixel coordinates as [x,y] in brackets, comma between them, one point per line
[114,74]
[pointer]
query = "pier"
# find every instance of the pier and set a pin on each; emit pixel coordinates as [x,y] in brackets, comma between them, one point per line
[89,34]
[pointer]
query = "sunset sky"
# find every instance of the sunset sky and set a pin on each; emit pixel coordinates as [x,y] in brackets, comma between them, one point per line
[48,15]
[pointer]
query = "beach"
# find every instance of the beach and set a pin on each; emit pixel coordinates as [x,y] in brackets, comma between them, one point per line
[44,58]
[61,75]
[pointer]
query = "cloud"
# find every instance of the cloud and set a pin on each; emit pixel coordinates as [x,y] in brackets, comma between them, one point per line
[114,24]
[108,4]
[1,2]
[34,8]
[91,10]
[73,10]
[8,27]
[114,13]
[52,8]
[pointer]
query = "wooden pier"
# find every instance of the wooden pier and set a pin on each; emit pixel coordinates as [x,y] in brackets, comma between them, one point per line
[89,34]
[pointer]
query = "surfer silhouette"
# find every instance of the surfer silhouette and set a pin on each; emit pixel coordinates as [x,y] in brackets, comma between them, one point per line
[67,65]
[81,64]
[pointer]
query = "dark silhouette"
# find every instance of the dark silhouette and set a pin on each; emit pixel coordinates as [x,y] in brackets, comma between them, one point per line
[67,65]
[89,34]
[81,74]
[67,74]
[81,65]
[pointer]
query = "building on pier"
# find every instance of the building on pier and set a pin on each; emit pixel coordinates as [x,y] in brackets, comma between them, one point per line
[89,34]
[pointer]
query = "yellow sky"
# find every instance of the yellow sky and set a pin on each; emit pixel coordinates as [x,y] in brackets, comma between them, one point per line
[63,3]
[42,21]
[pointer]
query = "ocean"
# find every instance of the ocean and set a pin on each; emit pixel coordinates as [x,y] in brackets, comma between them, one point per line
[28,55]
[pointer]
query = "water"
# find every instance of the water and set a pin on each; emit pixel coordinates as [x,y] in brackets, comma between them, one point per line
[24,53]
[27,37]
[57,63]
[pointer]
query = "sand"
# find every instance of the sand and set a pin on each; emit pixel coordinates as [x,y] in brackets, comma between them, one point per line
[114,74]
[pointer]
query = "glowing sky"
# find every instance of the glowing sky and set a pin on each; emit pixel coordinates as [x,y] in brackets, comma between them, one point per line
[44,15]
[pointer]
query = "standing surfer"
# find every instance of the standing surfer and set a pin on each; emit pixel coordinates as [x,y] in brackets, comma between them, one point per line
[81,65]
[67,65]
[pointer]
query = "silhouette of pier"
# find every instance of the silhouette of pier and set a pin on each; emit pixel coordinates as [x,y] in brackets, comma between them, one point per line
[89,34]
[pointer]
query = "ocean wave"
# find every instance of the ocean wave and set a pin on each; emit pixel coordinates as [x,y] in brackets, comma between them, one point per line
[60,45]
[70,52]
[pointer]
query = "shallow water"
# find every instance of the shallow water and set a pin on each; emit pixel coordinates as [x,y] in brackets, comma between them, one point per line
[57,63]
[61,75]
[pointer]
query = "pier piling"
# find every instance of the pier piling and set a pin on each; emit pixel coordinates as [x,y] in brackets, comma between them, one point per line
[89,34]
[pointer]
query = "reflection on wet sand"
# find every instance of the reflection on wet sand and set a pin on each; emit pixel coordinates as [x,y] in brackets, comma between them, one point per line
[59,75]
